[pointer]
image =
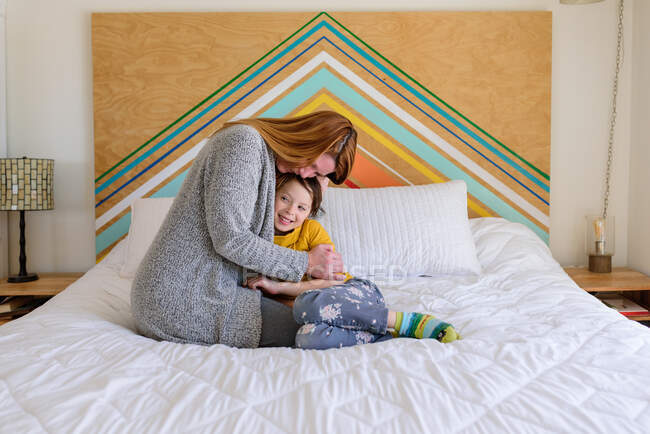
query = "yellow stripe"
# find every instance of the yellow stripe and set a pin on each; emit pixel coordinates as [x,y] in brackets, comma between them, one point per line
[420,329]
[327,100]
[97,260]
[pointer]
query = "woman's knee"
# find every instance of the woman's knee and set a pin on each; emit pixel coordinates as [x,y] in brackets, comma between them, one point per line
[278,326]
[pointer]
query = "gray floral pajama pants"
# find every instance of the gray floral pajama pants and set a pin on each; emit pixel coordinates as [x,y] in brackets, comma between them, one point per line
[349,314]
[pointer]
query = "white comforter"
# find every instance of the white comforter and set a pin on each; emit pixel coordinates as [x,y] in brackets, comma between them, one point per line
[538,354]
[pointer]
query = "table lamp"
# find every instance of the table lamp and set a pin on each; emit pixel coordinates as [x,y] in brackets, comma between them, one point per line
[25,185]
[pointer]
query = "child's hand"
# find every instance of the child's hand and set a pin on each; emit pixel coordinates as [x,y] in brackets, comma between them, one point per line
[264,284]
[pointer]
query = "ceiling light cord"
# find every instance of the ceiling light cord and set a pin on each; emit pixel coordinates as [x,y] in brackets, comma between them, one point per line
[612,120]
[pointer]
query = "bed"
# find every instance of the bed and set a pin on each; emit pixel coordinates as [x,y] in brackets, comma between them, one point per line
[538,354]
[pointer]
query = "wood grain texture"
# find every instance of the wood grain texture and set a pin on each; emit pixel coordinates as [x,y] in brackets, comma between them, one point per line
[47,284]
[493,67]
[620,279]
[150,68]
[487,70]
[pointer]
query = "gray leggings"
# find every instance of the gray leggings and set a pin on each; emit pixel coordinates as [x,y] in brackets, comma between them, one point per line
[349,314]
[278,327]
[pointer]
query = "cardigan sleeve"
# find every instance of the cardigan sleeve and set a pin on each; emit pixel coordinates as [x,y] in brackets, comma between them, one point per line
[232,184]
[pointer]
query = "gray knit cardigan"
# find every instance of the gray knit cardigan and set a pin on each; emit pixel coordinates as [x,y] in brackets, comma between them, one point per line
[188,288]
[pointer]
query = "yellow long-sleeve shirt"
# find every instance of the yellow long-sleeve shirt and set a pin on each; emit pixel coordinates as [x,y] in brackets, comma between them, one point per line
[305,237]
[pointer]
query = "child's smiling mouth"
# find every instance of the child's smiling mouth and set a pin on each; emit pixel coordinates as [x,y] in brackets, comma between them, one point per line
[284,220]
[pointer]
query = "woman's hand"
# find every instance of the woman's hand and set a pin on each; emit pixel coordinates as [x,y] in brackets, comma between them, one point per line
[325,263]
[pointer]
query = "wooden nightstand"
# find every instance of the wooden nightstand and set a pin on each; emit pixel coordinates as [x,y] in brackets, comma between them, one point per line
[625,281]
[48,285]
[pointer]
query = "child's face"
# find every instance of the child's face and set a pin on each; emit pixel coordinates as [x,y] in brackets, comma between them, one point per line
[292,206]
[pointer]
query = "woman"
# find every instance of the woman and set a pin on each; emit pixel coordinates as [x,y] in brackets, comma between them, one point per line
[188,287]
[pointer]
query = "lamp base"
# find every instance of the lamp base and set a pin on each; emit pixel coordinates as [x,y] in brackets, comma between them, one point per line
[600,263]
[24,278]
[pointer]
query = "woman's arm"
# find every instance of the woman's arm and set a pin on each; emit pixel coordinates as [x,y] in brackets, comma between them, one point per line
[232,185]
[291,289]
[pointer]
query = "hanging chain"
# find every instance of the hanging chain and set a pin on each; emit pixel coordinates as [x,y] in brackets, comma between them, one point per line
[612,121]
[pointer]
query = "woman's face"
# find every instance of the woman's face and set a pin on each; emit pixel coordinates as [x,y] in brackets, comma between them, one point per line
[323,166]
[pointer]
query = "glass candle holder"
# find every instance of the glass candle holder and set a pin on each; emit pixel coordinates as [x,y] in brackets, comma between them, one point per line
[601,243]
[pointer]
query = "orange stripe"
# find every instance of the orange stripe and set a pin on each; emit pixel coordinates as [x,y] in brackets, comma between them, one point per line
[371,175]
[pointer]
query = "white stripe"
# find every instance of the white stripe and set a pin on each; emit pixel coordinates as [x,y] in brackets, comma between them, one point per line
[301,72]
[384,164]
[149,185]
[283,86]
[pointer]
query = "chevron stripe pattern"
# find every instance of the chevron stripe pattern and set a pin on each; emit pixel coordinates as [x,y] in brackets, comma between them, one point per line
[407,135]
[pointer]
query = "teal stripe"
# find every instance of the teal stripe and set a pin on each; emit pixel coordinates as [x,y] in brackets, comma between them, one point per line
[115,231]
[112,233]
[437,108]
[428,328]
[172,188]
[406,322]
[325,79]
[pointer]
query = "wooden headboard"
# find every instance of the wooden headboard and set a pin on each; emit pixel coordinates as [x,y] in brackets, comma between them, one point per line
[434,96]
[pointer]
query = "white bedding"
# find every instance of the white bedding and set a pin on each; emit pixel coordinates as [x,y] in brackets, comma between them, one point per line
[538,354]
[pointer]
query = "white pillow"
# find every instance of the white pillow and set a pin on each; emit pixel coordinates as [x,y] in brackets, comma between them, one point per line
[401,231]
[389,231]
[147,214]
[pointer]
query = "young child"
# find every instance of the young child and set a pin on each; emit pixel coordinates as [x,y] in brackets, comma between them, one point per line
[334,313]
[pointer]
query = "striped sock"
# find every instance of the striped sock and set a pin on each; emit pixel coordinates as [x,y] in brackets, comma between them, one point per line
[421,326]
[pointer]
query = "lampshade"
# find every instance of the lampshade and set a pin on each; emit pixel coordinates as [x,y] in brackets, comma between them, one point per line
[26,184]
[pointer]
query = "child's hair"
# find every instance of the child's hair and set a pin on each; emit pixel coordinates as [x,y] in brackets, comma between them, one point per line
[311,184]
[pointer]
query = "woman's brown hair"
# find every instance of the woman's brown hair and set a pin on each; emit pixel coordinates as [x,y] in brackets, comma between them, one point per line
[310,184]
[299,141]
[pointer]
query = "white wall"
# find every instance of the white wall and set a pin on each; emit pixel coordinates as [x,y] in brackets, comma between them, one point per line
[4,244]
[49,91]
[639,223]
